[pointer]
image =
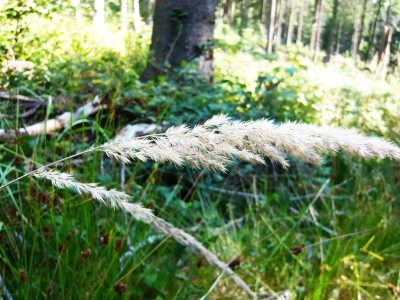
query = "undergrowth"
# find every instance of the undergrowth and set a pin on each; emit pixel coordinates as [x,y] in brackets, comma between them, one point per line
[318,232]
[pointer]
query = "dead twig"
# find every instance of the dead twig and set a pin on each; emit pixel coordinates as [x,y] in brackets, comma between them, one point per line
[8,96]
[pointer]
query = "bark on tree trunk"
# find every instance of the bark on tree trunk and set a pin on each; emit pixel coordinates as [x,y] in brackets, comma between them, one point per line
[372,34]
[271,26]
[124,17]
[266,17]
[360,38]
[292,16]
[244,15]
[301,22]
[339,35]
[386,25]
[385,52]
[319,30]
[332,31]
[314,26]
[136,15]
[285,19]
[279,25]
[182,30]
[231,12]
[262,11]
[340,30]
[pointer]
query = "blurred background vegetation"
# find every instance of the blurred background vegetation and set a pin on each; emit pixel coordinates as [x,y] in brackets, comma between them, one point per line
[320,233]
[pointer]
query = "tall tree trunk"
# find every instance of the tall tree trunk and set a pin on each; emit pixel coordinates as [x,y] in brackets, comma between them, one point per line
[319,30]
[271,26]
[231,12]
[136,15]
[278,36]
[263,10]
[339,34]
[286,19]
[182,30]
[384,58]
[303,10]
[314,26]
[332,28]
[124,16]
[362,24]
[98,18]
[356,29]
[244,15]
[372,34]
[386,32]
[267,16]
[292,16]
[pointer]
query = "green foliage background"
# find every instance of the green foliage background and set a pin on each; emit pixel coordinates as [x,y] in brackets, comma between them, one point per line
[346,213]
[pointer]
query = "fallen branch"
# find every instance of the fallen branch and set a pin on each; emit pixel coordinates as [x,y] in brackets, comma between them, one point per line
[6,95]
[54,124]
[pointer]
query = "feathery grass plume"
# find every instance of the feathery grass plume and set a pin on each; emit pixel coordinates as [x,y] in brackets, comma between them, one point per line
[114,197]
[214,144]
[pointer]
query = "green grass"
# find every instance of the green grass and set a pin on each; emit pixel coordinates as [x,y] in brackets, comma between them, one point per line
[351,245]
[346,213]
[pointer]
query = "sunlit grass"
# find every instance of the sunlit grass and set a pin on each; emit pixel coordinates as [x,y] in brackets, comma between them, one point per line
[338,93]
